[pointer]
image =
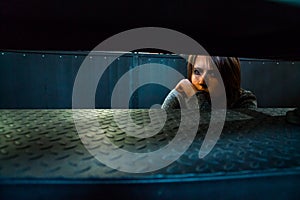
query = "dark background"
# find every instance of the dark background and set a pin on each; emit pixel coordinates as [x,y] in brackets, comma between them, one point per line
[257,29]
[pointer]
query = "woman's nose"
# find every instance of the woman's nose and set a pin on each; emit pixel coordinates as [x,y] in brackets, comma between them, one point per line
[202,78]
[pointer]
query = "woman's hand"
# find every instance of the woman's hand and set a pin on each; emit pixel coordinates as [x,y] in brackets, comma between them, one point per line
[186,87]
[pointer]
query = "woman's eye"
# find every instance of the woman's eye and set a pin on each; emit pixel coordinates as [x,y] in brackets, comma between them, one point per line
[197,72]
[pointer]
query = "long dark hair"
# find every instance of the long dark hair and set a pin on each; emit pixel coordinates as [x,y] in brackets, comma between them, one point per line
[230,70]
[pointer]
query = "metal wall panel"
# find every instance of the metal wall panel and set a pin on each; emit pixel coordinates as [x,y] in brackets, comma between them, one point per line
[275,83]
[45,79]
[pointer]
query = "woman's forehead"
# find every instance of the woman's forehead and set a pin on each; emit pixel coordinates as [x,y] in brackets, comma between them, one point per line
[203,62]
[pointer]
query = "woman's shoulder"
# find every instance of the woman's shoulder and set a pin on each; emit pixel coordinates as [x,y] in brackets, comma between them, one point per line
[246,94]
[247,99]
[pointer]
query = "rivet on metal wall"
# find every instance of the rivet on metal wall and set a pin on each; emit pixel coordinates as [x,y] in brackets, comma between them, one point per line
[263,63]
[292,63]
[2,54]
[91,57]
[24,54]
[60,56]
[249,62]
[43,56]
[105,57]
[277,63]
[75,56]
[149,59]
[118,59]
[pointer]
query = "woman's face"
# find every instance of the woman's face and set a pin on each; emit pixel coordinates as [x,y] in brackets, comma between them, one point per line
[203,75]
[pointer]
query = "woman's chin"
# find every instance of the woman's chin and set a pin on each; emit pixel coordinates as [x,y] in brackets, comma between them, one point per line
[202,90]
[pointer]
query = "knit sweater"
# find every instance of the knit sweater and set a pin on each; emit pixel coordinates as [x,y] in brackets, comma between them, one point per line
[201,100]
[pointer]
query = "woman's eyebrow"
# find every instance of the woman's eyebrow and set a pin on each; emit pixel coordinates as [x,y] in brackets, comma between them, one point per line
[200,68]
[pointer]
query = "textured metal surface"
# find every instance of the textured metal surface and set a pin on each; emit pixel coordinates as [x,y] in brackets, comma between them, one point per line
[44,144]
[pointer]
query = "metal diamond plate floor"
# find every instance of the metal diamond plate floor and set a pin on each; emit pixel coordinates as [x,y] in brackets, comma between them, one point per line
[258,154]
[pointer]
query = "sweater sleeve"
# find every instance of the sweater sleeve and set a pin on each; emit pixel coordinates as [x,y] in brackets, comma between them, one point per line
[171,101]
[176,100]
[247,100]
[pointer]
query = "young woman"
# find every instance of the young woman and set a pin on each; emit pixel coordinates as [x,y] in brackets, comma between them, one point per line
[200,74]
